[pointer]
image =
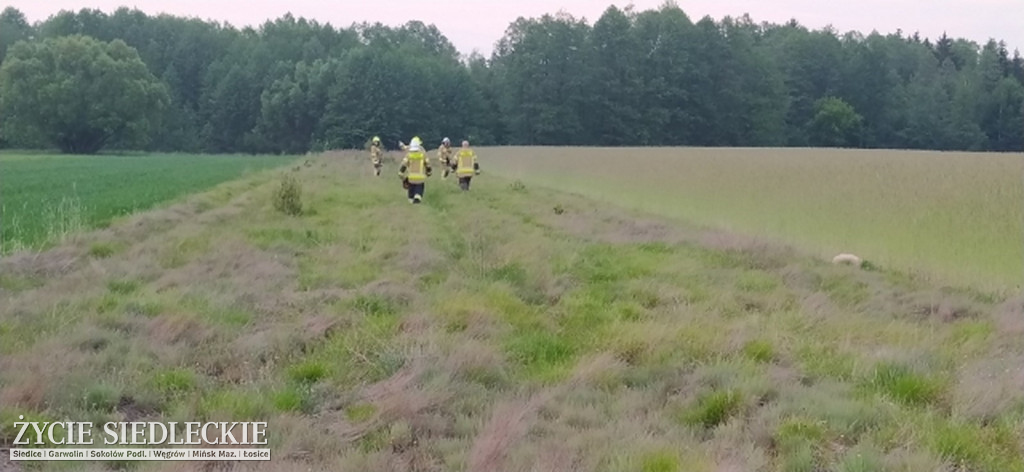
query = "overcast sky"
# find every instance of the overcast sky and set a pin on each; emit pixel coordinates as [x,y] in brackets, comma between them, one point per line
[478,24]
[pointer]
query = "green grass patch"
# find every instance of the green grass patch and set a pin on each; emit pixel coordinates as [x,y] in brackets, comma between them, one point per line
[308,372]
[543,355]
[292,399]
[360,412]
[172,384]
[122,287]
[660,461]
[759,351]
[974,447]
[713,408]
[902,384]
[51,195]
[237,404]
[102,250]
[929,205]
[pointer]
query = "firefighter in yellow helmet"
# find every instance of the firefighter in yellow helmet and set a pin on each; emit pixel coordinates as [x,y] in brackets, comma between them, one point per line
[415,170]
[465,165]
[444,156]
[376,155]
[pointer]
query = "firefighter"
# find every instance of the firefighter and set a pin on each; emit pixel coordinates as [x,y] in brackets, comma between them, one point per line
[444,156]
[415,170]
[376,155]
[465,165]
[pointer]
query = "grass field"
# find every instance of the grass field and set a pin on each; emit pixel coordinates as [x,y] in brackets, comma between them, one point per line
[955,216]
[45,197]
[512,328]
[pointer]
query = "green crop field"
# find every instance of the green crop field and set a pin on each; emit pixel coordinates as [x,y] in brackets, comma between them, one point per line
[954,216]
[512,327]
[43,197]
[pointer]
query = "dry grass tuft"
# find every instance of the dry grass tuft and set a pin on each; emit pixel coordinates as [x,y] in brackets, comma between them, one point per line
[177,329]
[989,388]
[509,422]
[45,264]
[32,377]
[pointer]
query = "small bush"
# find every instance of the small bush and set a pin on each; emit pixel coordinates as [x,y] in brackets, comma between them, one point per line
[122,287]
[174,382]
[713,409]
[759,351]
[662,461]
[360,413]
[901,384]
[308,372]
[862,458]
[292,399]
[375,305]
[288,198]
[100,397]
[101,250]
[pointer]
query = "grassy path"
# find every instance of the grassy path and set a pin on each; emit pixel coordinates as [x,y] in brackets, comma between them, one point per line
[510,328]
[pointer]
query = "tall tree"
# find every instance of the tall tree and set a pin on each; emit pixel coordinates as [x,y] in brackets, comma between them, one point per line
[79,94]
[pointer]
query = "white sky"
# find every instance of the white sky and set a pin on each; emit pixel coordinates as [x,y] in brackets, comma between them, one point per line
[478,24]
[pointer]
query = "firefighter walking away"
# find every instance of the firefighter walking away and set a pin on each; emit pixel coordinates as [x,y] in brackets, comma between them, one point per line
[465,166]
[415,170]
[376,155]
[444,156]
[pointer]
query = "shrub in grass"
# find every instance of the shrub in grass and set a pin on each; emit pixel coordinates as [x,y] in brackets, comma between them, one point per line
[122,287]
[661,461]
[759,351]
[540,352]
[100,398]
[713,409]
[234,405]
[101,250]
[292,399]
[288,197]
[308,372]
[861,458]
[901,384]
[360,412]
[174,382]
[756,281]
[797,439]
[374,305]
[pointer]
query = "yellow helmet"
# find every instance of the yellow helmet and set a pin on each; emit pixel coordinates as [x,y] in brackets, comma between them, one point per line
[376,139]
[416,140]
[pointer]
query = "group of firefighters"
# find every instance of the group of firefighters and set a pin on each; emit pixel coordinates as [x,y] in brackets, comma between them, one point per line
[415,167]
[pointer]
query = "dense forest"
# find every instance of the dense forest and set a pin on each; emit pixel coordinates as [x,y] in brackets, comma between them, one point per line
[85,81]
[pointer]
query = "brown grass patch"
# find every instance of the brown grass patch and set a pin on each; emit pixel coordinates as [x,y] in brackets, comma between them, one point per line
[320,327]
[45,264]
[31,376]
[1009,317]
[254,278]
[390,290]
[399,397]
[418,258]
[989,387]
[509,422]
[176,329]
[939,306]
[471,356]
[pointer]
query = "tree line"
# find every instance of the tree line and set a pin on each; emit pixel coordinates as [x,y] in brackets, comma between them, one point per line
[87,80]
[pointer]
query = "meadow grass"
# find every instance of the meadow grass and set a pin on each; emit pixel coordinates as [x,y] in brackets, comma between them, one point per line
[953,216]
[509,328]
[44,196]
